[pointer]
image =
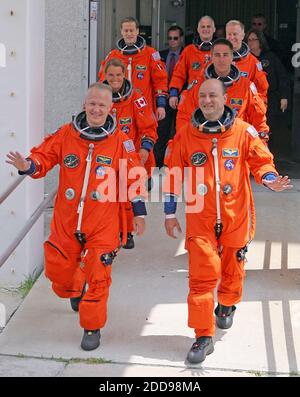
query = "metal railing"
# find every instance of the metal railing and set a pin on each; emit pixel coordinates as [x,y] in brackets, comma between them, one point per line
[29,224]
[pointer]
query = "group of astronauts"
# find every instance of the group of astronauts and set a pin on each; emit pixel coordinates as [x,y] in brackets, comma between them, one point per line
[221,137]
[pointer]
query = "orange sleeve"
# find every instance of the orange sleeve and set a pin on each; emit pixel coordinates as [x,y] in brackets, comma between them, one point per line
[47,154]
[145,121]
[174,167]
[188,104]
[256,112]
[180,73]
[159,75]
[260,79]
[259,158]
[131,166]
[184,110]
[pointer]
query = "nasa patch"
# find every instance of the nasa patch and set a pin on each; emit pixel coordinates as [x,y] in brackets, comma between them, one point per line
[229,164]
[100,171]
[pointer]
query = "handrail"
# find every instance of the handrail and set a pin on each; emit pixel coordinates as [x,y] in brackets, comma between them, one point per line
[34,217]
[11,188]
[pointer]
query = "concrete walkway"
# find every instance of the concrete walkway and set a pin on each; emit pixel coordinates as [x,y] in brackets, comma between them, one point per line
[146,333]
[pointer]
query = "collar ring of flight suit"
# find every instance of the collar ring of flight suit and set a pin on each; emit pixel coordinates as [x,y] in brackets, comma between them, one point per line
[94,133]
[213,127]
[125,49]
[233,76]
[202,45]
[124,92]
[241,53]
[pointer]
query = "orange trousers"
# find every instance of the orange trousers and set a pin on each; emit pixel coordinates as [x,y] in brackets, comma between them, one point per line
[68,271]
[206,266]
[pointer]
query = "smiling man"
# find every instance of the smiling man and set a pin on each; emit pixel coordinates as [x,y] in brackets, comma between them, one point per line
[84,235]
[217,237]
[242,95]
[193,59]
[144,68]
[249,66]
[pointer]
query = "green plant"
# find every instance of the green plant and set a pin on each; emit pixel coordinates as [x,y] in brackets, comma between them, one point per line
[26,285]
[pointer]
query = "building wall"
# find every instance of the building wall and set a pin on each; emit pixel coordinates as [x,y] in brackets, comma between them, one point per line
[21,127]
[65,73]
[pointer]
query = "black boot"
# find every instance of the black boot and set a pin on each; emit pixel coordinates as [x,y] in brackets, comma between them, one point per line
[130,242]
[75,301]
[224,316]
[90,339]
[200,349]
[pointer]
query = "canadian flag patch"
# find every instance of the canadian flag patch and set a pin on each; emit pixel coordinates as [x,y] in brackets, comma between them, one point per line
[140,103]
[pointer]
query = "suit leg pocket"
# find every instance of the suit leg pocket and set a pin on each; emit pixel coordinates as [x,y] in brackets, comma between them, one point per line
[59,268]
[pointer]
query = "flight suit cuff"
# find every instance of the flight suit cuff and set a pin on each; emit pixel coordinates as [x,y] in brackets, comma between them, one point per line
[31,170]
[139,208]
[147,144]
[174,92]
[161,101]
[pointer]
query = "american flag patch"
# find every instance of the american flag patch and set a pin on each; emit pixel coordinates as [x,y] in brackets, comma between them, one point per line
[156,56]
[140,103]
[253,88]
[129,146]
[259,66]
[252,131]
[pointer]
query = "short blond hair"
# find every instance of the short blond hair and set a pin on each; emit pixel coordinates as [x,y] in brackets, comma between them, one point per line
[237,23]
[100,87]
[206,17]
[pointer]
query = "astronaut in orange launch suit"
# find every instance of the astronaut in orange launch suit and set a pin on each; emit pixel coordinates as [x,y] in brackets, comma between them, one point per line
[134,117]
[144,68]
[224,148]
[92,153]
[242,95]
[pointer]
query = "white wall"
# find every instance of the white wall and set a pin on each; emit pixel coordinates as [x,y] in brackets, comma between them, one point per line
[21,127]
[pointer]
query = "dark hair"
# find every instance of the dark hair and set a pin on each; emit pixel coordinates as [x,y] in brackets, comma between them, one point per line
[130,19]
[259,15]
[176,27]
[222,41]
[115,62]
[261,38]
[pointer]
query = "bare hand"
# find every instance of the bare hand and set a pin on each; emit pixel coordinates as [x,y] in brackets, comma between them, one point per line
[279,184]
[170,225]
[18,161]
[173,102]
[283,104]
[139,225]
[144,154]
[160,113]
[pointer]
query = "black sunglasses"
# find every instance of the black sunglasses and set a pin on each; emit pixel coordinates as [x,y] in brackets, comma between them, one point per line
[173,38]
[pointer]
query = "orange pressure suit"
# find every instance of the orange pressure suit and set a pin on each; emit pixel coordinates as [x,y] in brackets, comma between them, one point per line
[144,69]
[64,255]
[242,96]
[193,59]
[238,149]
[251,68]
[136,119]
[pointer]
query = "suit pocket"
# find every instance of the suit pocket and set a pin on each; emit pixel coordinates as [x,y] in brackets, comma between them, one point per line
[58,266]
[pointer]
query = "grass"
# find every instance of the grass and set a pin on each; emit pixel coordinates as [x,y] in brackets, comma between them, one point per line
[26,285]
[89,361]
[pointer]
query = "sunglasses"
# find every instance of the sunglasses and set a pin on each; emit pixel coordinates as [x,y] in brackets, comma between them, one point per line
[173,38]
